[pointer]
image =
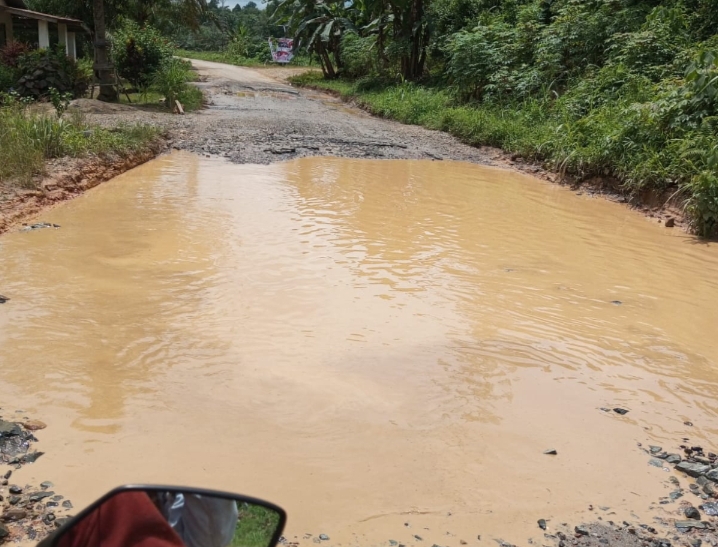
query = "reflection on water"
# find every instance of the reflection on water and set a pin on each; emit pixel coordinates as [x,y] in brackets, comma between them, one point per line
[389,338]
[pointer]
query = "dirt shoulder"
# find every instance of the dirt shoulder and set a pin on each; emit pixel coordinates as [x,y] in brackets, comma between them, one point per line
[64,179]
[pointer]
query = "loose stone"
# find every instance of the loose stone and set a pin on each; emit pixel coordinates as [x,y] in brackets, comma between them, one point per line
[34,425]
[620,411]
[684,525]
[693,469]
[14,514]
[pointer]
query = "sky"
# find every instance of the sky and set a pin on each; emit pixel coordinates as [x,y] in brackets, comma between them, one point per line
[232,3]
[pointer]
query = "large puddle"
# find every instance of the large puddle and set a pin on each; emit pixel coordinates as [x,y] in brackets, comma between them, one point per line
[367,343]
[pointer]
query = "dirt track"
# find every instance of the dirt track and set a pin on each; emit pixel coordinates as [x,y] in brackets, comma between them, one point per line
[254,118]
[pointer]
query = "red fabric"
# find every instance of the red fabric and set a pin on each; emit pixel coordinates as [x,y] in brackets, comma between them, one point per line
[129,519]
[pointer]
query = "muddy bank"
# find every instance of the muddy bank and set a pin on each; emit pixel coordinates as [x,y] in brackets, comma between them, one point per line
[28,512]
[64,179]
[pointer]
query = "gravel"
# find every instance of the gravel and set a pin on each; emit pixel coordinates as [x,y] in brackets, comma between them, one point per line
[252,118]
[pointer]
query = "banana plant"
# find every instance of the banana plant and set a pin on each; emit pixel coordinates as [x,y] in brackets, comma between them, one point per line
[318,26]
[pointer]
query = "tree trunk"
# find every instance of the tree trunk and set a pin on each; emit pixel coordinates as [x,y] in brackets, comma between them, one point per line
[416,33]
[103,66]
[383,59]
[326,62]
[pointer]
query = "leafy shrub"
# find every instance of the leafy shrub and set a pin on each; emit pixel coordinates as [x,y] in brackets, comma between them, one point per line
[11,53]
[696,101]
[652,49]
[482,61]
[702,205]
[60,101]
[245,45]
[7,78]
[139,53]
[42,70]
[172,81]
[358,54]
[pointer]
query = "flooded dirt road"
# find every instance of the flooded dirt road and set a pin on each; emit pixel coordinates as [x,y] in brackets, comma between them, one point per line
[385,348]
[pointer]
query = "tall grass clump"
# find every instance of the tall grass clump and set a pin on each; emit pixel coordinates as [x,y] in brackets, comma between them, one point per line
[172,81]
[29,137]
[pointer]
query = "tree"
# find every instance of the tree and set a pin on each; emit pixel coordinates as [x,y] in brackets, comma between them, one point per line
[103,68]
[318,26]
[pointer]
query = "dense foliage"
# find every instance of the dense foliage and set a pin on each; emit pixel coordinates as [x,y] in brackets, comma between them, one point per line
[138,53]
[158,13]
[35,73]
[621,88]
[238,32]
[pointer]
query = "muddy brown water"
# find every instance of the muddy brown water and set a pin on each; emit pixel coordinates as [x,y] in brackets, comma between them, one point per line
[367,343]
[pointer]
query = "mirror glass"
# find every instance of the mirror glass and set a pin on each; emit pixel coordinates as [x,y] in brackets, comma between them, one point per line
[173,518]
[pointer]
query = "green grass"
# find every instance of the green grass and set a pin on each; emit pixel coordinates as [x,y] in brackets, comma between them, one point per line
[255,527]
[514,130]
[27,139]
[625,138]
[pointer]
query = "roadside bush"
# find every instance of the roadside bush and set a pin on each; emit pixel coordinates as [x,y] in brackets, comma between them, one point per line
[172,82]
[245,45]
[139,53]
[11,53]
[7,78]
[482,61]
[42,70]
[358,54]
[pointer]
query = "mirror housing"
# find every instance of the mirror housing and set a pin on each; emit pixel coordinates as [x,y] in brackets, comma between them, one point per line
[172,516]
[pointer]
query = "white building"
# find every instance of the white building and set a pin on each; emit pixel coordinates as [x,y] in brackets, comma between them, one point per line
[15,12]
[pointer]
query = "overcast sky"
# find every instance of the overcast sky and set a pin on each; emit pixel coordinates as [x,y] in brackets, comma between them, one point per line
[232,3]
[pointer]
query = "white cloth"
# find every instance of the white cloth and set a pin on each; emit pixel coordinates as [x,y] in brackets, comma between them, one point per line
[203,521]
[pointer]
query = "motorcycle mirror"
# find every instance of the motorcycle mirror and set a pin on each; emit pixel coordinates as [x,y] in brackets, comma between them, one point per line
[160,516]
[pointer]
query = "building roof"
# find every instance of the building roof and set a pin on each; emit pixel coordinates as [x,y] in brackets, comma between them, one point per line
[73,25]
